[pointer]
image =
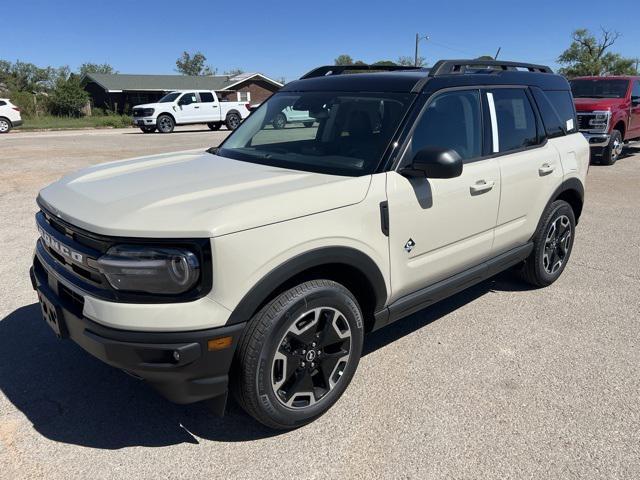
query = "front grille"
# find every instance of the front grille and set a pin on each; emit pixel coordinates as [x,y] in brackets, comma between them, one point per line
[583,121]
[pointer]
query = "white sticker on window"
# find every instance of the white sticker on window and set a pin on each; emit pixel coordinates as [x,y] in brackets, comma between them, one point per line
[519,115]
[569,124]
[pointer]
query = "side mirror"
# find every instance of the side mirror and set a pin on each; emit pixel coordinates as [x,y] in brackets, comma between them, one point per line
[635,101]
[434,162]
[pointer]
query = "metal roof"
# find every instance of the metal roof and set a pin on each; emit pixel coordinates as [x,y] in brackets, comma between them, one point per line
[118,82]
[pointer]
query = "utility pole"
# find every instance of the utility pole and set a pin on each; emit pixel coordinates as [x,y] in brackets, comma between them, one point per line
[418,38]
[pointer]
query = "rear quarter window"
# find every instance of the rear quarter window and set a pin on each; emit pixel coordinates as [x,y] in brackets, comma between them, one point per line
[553,126]
[562,102]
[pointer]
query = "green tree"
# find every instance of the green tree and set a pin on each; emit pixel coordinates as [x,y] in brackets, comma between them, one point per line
[89,67]
[68,97]
[234,71]
[384,62]
[409,61]
[588,55]
[343,59]
[485,57]
[195,64]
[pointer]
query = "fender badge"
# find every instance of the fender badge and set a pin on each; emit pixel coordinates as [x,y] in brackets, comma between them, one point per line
[409,245]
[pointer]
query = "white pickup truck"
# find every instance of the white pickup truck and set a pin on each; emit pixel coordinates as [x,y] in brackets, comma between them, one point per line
[186,108]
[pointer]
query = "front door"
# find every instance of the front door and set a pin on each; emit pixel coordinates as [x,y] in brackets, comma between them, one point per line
[440,227]
[188,108]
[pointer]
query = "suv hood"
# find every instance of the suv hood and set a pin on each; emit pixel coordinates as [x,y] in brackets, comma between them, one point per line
[193,194]
[591,104]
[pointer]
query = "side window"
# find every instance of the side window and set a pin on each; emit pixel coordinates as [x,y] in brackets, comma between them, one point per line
[2,104]
[451,120]
[553,126]
[206,97]
[516,120]
[187,99]
[562,101]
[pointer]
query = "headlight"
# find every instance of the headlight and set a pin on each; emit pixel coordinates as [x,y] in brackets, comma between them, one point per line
[601,119]
[147,112]
[150,269]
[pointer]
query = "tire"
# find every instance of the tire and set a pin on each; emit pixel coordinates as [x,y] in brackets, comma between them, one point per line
[214,126]
[308,124]
[612,152]
[280,121]
[233,121]
[165,123]
[5,125]
[552,245]
[148,129]
[278,384]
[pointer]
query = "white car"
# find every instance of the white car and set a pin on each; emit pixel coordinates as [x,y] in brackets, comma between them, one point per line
[9,115]
[258,266]
[187,108]
[291,115]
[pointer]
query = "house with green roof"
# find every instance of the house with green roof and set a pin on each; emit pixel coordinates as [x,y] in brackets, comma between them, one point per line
[119,92]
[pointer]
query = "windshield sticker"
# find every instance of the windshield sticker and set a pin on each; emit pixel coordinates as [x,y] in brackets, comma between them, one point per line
[519,115]
[569,124]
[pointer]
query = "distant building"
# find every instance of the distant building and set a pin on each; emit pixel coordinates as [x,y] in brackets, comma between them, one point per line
[120,92]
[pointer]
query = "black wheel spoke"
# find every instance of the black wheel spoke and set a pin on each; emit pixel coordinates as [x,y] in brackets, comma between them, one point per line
[299,383]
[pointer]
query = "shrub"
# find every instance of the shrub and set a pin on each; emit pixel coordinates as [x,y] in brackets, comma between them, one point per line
[68,97]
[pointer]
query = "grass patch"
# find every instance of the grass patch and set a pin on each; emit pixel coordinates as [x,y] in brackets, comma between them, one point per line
[106,121]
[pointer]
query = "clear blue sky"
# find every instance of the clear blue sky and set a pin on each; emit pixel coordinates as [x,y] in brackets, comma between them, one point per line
[287,38]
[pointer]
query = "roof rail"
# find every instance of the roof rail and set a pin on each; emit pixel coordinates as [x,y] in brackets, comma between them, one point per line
[328,70]
[450,67]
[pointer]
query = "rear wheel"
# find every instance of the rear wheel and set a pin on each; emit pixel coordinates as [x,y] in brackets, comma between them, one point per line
[5,125]
[165,124]
[299,354]
[148,129]
[214,126]
[612,152]
[280,121]
[308,124]
[233,121]
[552,245]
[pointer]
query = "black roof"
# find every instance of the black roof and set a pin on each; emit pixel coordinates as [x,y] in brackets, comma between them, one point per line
[444,74]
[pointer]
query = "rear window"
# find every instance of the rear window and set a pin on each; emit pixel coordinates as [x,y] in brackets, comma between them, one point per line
[557,111]
[206,97]
[563,103]
[516,120]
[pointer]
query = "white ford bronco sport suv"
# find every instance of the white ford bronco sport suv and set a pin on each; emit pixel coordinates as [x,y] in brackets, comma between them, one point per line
[188,108]
[258,266]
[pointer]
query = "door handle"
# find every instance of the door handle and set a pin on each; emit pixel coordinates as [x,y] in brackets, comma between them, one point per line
[215,106]
[196,106]
[546,169]
[481,186]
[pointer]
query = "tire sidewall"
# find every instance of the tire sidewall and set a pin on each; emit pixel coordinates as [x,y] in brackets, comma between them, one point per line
[321,297]
[280,121]
[228,122]
[608,158]
[8,125]
[556,209]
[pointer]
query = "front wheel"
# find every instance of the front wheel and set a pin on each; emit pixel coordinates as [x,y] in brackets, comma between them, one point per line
[233,121]
[298,354]
[214,126]
[308,124]
[5,125]
[612,152]
[148,129]
[280,121]
[165,124]
[552,245]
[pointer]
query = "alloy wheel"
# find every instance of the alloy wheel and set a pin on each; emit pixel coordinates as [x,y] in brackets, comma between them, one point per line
[4,126]
[311,357]
[234,121]
[616,149]
[557,244]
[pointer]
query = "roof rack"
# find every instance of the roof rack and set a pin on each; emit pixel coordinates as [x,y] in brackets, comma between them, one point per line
[451,67]
[328,70]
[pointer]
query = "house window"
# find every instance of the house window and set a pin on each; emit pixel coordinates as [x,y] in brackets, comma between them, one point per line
[244,96]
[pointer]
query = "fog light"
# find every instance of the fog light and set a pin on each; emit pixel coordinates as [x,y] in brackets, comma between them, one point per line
[176,355]
[219,343]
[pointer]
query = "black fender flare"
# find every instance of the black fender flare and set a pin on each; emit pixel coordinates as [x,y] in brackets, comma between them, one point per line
[270,283]
[572,184]
[233,111]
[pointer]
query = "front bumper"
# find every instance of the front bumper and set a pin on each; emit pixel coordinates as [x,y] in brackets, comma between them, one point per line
[597,139]
[144,121]
[179,365]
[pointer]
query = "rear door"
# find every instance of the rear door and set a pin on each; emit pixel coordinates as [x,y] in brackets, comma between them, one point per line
[209,110]
[634,121]
[188,108]
[530,168]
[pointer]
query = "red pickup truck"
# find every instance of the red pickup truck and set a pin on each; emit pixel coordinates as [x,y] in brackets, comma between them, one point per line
[608,111]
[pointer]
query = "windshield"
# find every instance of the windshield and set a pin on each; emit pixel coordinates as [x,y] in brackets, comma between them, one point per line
[597,88]
[169,97]
[326,132]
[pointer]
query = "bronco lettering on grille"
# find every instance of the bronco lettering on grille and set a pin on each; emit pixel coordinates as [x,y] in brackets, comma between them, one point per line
[60,248]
